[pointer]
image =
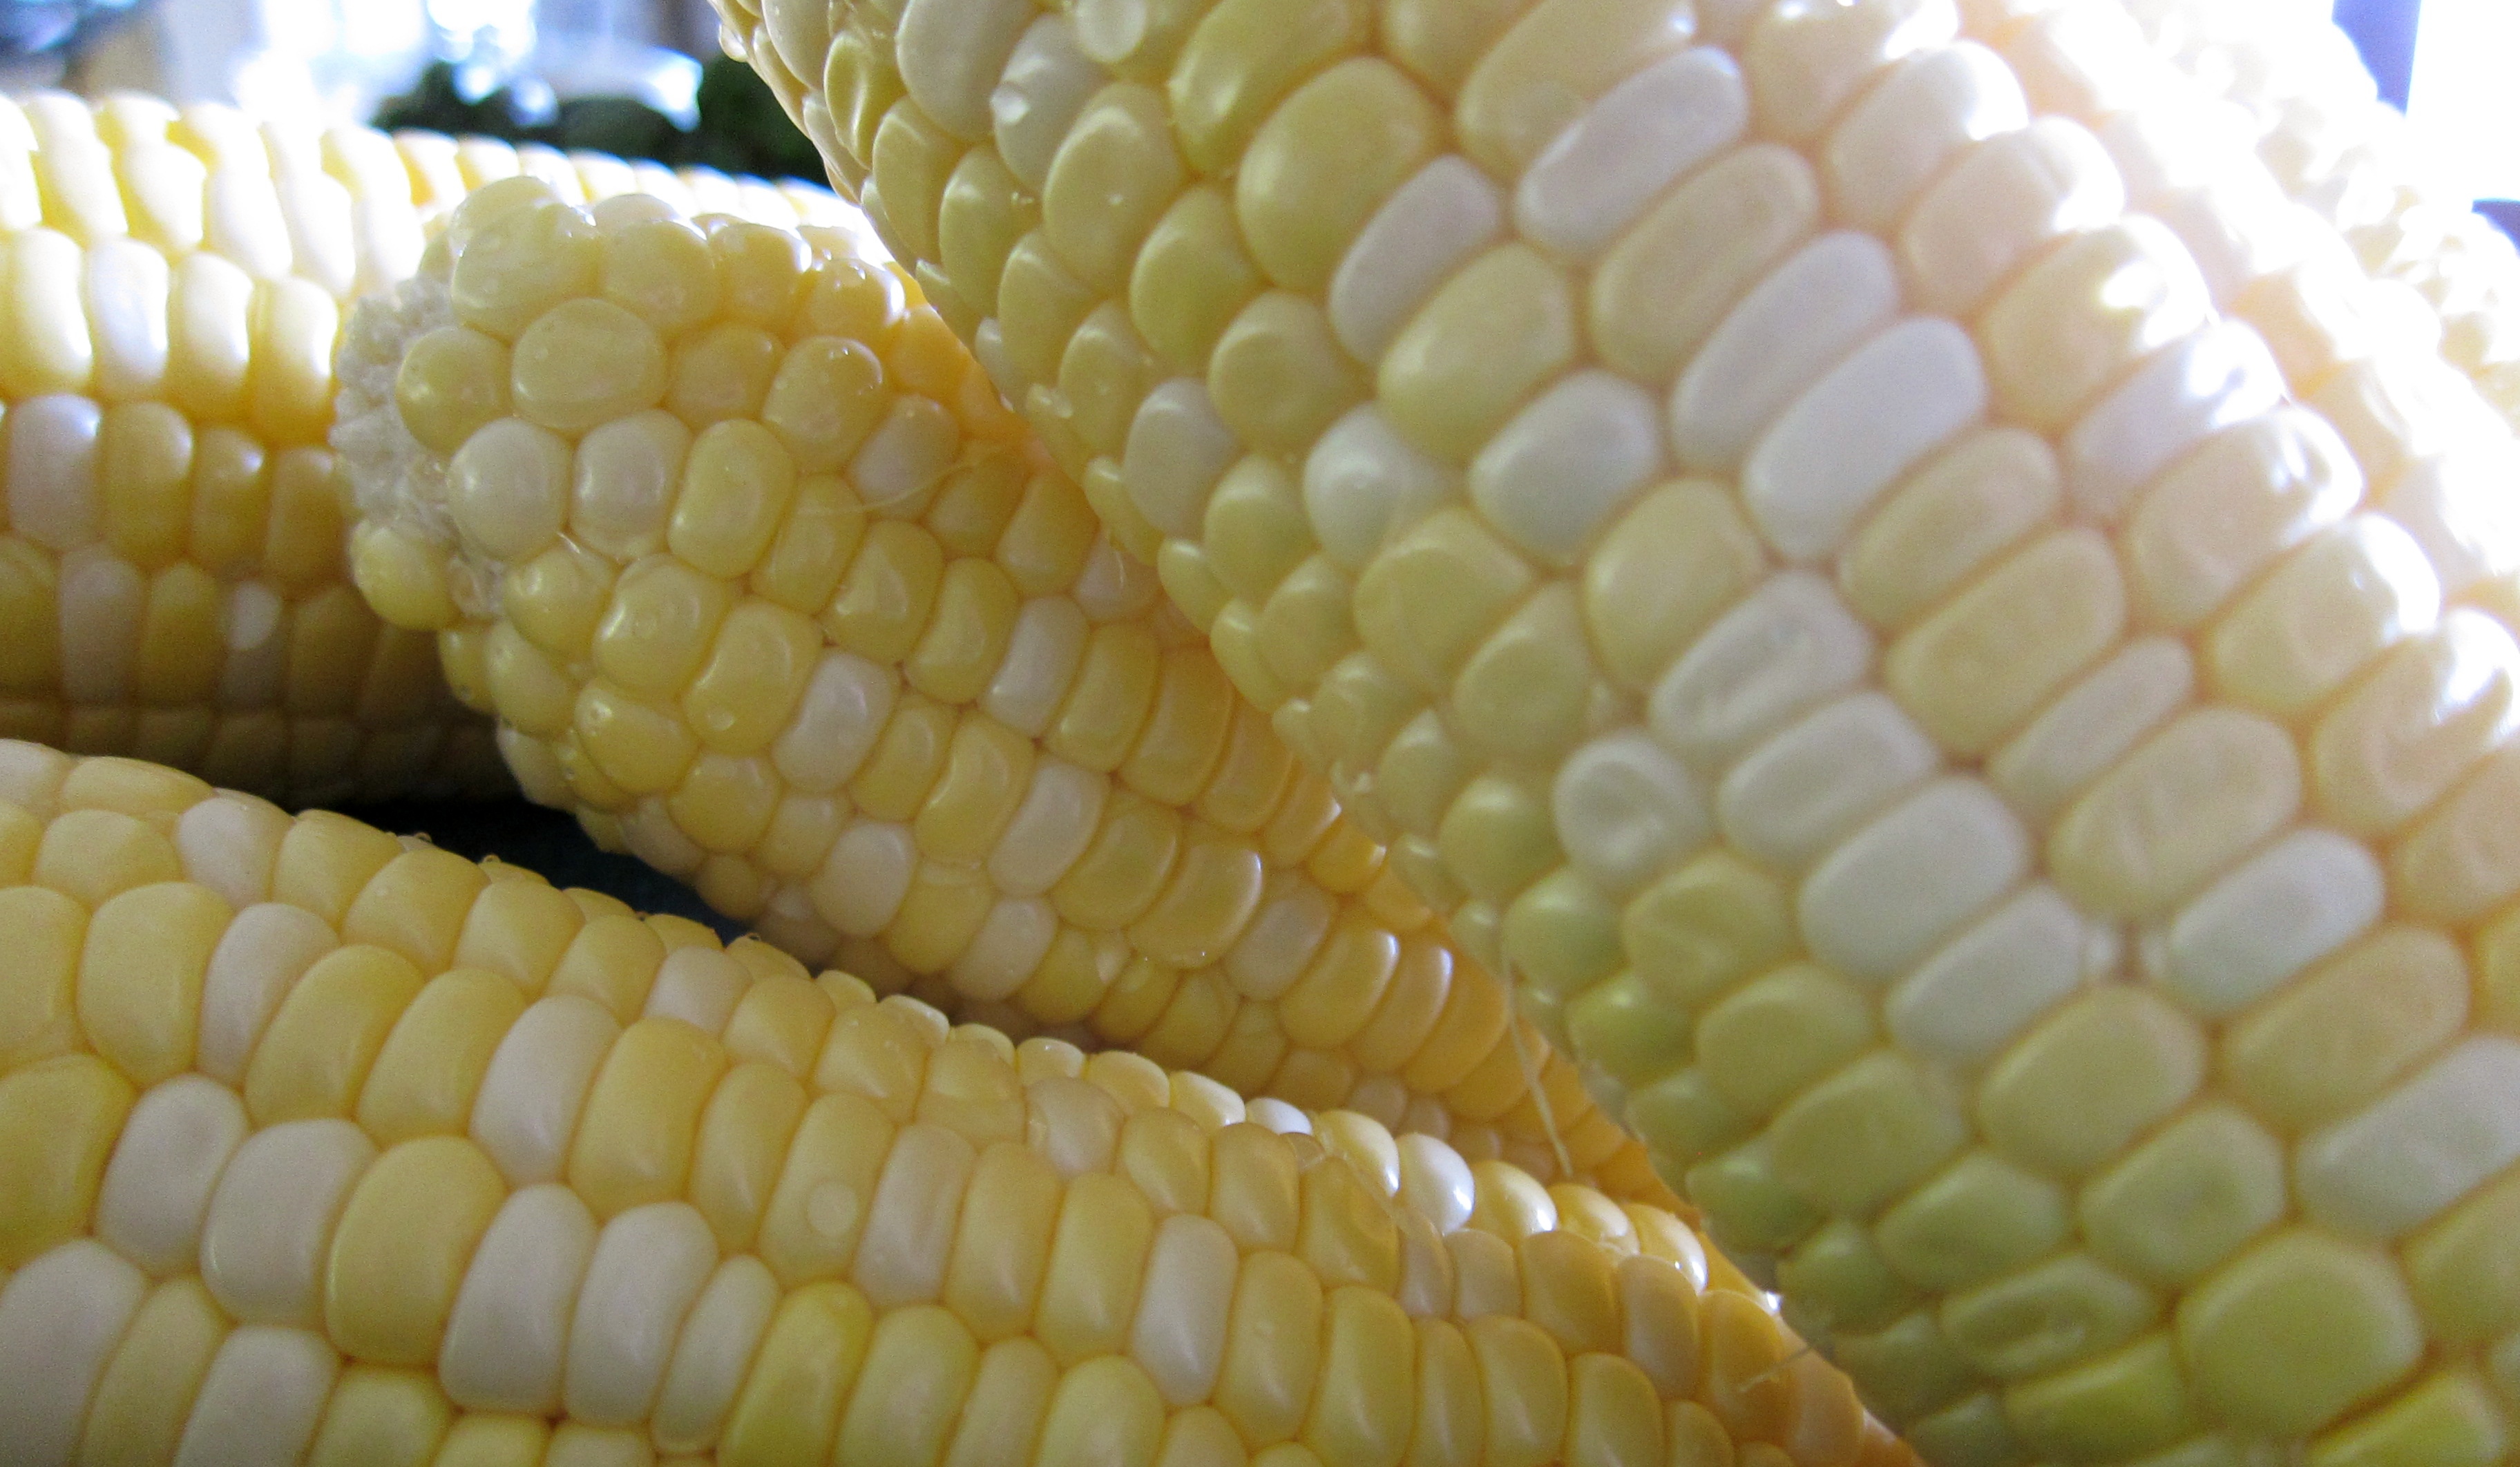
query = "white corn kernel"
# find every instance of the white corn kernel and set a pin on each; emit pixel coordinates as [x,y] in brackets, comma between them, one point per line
[1635,140]
[1786,648]
[260,955]
[1184,1304]
[506,1338]
[1898,887]
[51,471]
[901,463]
[1895,140]
[865,879]
[1178,448]
[158,1187]
[1043,653]
[952,54]
[713,1353]
[698,985]
[1869,420]
[1050,828]
[1278,945]
[271,1219]
[843,710]
[2091,724]
[2301,899]
[1045,83]
[2420,1148]
[1797,794]
[261,1401]
[1962,1006]
[648,1266]
[61,1315]
[1442,217]
[1626,810]
[1800,321]
[2208,380]
[1563,466]
[526,1109]
[1011,943]
[1435,1182]
[1364,484]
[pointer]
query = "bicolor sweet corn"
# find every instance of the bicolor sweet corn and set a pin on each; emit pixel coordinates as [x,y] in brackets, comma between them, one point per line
[321,1146]
[1947,624]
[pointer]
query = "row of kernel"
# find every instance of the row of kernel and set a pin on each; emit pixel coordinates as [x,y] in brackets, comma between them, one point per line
[2362,350]
[173,564]
[201,181]
[2254,1052]
[1561,1289]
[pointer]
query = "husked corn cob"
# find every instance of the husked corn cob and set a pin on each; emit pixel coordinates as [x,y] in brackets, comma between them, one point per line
[761,580]
[171,581]
[1981,715]
[320,1146]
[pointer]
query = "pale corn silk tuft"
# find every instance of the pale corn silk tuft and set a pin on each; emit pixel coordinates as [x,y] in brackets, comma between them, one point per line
[331,1148]
[1934,579]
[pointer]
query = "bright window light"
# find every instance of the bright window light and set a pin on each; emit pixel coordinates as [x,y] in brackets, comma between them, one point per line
[2465,95]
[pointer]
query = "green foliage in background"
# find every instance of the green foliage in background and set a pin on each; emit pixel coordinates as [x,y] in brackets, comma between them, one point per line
[741,129]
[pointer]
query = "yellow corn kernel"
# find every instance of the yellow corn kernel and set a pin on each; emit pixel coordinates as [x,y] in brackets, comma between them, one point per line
[390,1280]
[433,1060]
[1190,278]
[1495,330]
[61,1117]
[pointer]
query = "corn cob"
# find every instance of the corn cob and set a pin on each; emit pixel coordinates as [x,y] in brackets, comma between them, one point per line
[320,1146]
[1917,695]
[171,581]
[817,636]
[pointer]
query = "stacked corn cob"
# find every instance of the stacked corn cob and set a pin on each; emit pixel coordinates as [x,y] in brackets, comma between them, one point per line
[171,578]
[320,1146]
[171,548]
[759,578]
[1982,713]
